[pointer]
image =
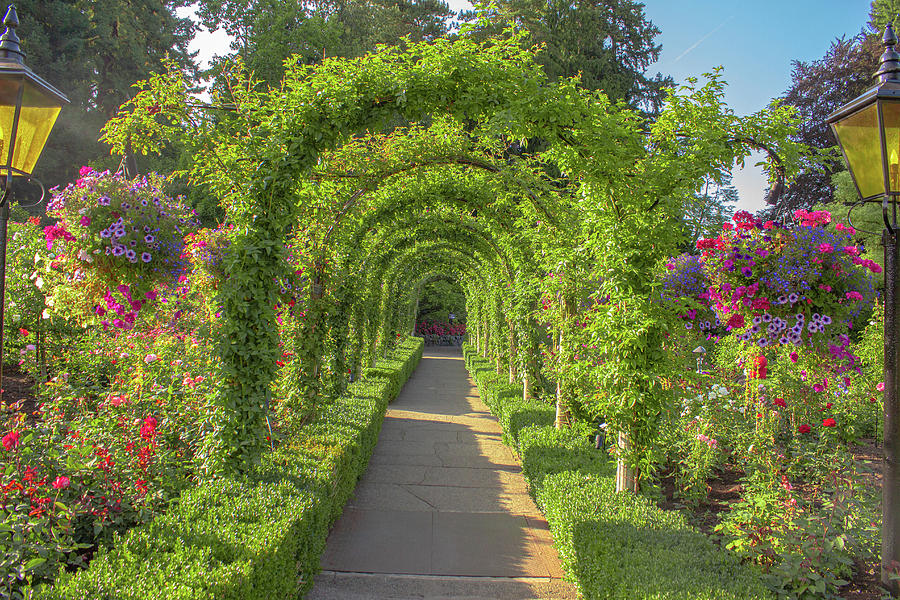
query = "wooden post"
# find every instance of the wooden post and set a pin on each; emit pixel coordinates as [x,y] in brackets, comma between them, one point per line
[626,477]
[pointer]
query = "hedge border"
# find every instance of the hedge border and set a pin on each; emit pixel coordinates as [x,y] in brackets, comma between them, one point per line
[258,536]
[612,546]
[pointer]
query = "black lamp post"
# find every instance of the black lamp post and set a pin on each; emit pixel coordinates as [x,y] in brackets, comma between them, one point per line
[868,131]
[29,107]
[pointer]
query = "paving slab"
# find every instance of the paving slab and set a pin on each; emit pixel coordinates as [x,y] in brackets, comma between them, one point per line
[442,511]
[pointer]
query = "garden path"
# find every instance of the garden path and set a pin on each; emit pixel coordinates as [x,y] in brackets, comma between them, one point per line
[443,511]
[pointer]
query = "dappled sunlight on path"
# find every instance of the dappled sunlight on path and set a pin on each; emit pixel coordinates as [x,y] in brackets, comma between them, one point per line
[443,510]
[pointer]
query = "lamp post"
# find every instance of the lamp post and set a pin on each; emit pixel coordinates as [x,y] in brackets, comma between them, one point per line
[29,107]
[868,131]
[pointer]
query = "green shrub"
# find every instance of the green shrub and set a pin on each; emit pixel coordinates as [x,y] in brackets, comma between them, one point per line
[613,546]
[258,536]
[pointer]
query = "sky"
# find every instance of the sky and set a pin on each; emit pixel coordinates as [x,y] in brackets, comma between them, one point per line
[755,41]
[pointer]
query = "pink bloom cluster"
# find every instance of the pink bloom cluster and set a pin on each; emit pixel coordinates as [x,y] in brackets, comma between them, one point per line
[54,232]
[812,218]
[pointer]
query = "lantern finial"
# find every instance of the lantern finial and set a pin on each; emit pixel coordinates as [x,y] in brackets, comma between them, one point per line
[9,41]
[890,60]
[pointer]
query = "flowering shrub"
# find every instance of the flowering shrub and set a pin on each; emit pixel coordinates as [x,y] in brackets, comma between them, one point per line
[100,460]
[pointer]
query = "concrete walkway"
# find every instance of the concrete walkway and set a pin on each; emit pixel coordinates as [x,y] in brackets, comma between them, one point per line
[443,511]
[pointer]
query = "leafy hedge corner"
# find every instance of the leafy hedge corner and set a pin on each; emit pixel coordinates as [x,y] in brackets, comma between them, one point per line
[611,545]
[261,535]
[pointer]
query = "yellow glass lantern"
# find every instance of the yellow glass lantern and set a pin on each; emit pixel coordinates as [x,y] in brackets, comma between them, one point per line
[29,105]
[868,130]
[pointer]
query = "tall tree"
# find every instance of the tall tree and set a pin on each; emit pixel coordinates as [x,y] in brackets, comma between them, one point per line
[817,89]
[705,211]
[93,51]
[266,32]
[610,43]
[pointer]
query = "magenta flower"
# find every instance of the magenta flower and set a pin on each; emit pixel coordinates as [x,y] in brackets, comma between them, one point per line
[61,482]
[854,296]
[85,221]
[880,386]
[11,440]
[826,248]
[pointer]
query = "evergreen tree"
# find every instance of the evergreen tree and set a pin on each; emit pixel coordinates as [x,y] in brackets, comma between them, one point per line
[610,43]
[93,51]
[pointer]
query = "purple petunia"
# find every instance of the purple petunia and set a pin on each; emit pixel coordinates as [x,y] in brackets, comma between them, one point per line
[146,257]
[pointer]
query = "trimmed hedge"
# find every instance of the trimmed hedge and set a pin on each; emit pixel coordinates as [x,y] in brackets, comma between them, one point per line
[613,546]
[259,536]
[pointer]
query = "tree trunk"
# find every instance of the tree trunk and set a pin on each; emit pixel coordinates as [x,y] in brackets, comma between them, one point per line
[513,370]
[562,404]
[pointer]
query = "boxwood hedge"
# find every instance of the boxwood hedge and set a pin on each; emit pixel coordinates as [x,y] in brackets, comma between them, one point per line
[612,546]
[261,535]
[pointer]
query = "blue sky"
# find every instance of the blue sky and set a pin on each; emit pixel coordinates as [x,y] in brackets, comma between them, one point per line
[755,40]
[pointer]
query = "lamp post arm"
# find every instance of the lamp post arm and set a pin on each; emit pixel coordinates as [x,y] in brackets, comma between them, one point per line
[885,207]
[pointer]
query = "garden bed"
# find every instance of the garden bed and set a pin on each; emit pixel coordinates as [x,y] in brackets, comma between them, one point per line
[259,535]
[611,545]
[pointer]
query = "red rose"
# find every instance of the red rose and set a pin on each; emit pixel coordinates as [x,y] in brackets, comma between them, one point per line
[829,422]
[23,332]
[804,428]
[279,363]
[11,440]
[779,402]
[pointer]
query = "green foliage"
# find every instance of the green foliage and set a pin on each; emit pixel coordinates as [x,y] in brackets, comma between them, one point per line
[259,535]
[441,298]
[268,32]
